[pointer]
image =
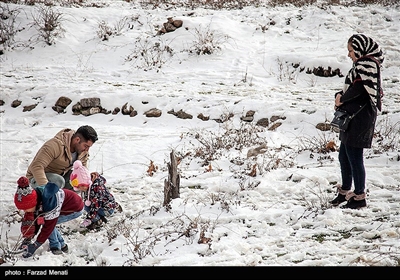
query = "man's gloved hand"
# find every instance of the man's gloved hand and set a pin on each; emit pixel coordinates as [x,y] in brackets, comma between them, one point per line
[31,249]
[40,188]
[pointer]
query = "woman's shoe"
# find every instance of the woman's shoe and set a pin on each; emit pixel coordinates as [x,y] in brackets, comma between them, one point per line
[339,199]
[355,204]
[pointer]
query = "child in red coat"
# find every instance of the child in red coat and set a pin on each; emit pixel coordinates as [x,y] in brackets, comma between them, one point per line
[44,208]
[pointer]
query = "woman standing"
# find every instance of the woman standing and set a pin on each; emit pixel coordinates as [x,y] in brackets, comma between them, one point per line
[361,91]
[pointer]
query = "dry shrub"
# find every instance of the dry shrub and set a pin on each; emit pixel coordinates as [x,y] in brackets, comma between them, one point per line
[47,21]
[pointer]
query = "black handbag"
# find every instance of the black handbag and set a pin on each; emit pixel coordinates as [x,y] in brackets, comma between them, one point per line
[341,118]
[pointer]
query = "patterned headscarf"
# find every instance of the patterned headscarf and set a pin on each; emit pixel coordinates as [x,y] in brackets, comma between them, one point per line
[367,66]
[364,46]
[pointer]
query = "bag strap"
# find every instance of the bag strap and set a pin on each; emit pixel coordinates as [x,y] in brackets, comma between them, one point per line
[352,116]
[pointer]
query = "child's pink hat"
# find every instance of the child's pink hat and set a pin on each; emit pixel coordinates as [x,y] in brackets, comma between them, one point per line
[80,176]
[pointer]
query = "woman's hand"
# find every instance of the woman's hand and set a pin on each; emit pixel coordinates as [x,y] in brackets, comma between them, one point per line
[337,101]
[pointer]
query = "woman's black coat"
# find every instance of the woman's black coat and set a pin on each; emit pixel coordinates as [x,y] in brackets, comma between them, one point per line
[361,128]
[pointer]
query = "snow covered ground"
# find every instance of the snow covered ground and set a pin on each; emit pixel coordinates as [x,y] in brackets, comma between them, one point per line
[224,217]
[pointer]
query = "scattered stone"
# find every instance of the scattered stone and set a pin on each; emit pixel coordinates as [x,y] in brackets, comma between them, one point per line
[275,118]
[125,110]
[16,103]
[29,108]
[202,117]
[323,126]
[61,104]
[116,110]
[153,113]
[275,126]
[264,122]
[90,102]
[170,26]
[180,114]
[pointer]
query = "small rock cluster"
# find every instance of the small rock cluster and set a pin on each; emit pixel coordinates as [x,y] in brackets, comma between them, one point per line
[91,106]
[170,25]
